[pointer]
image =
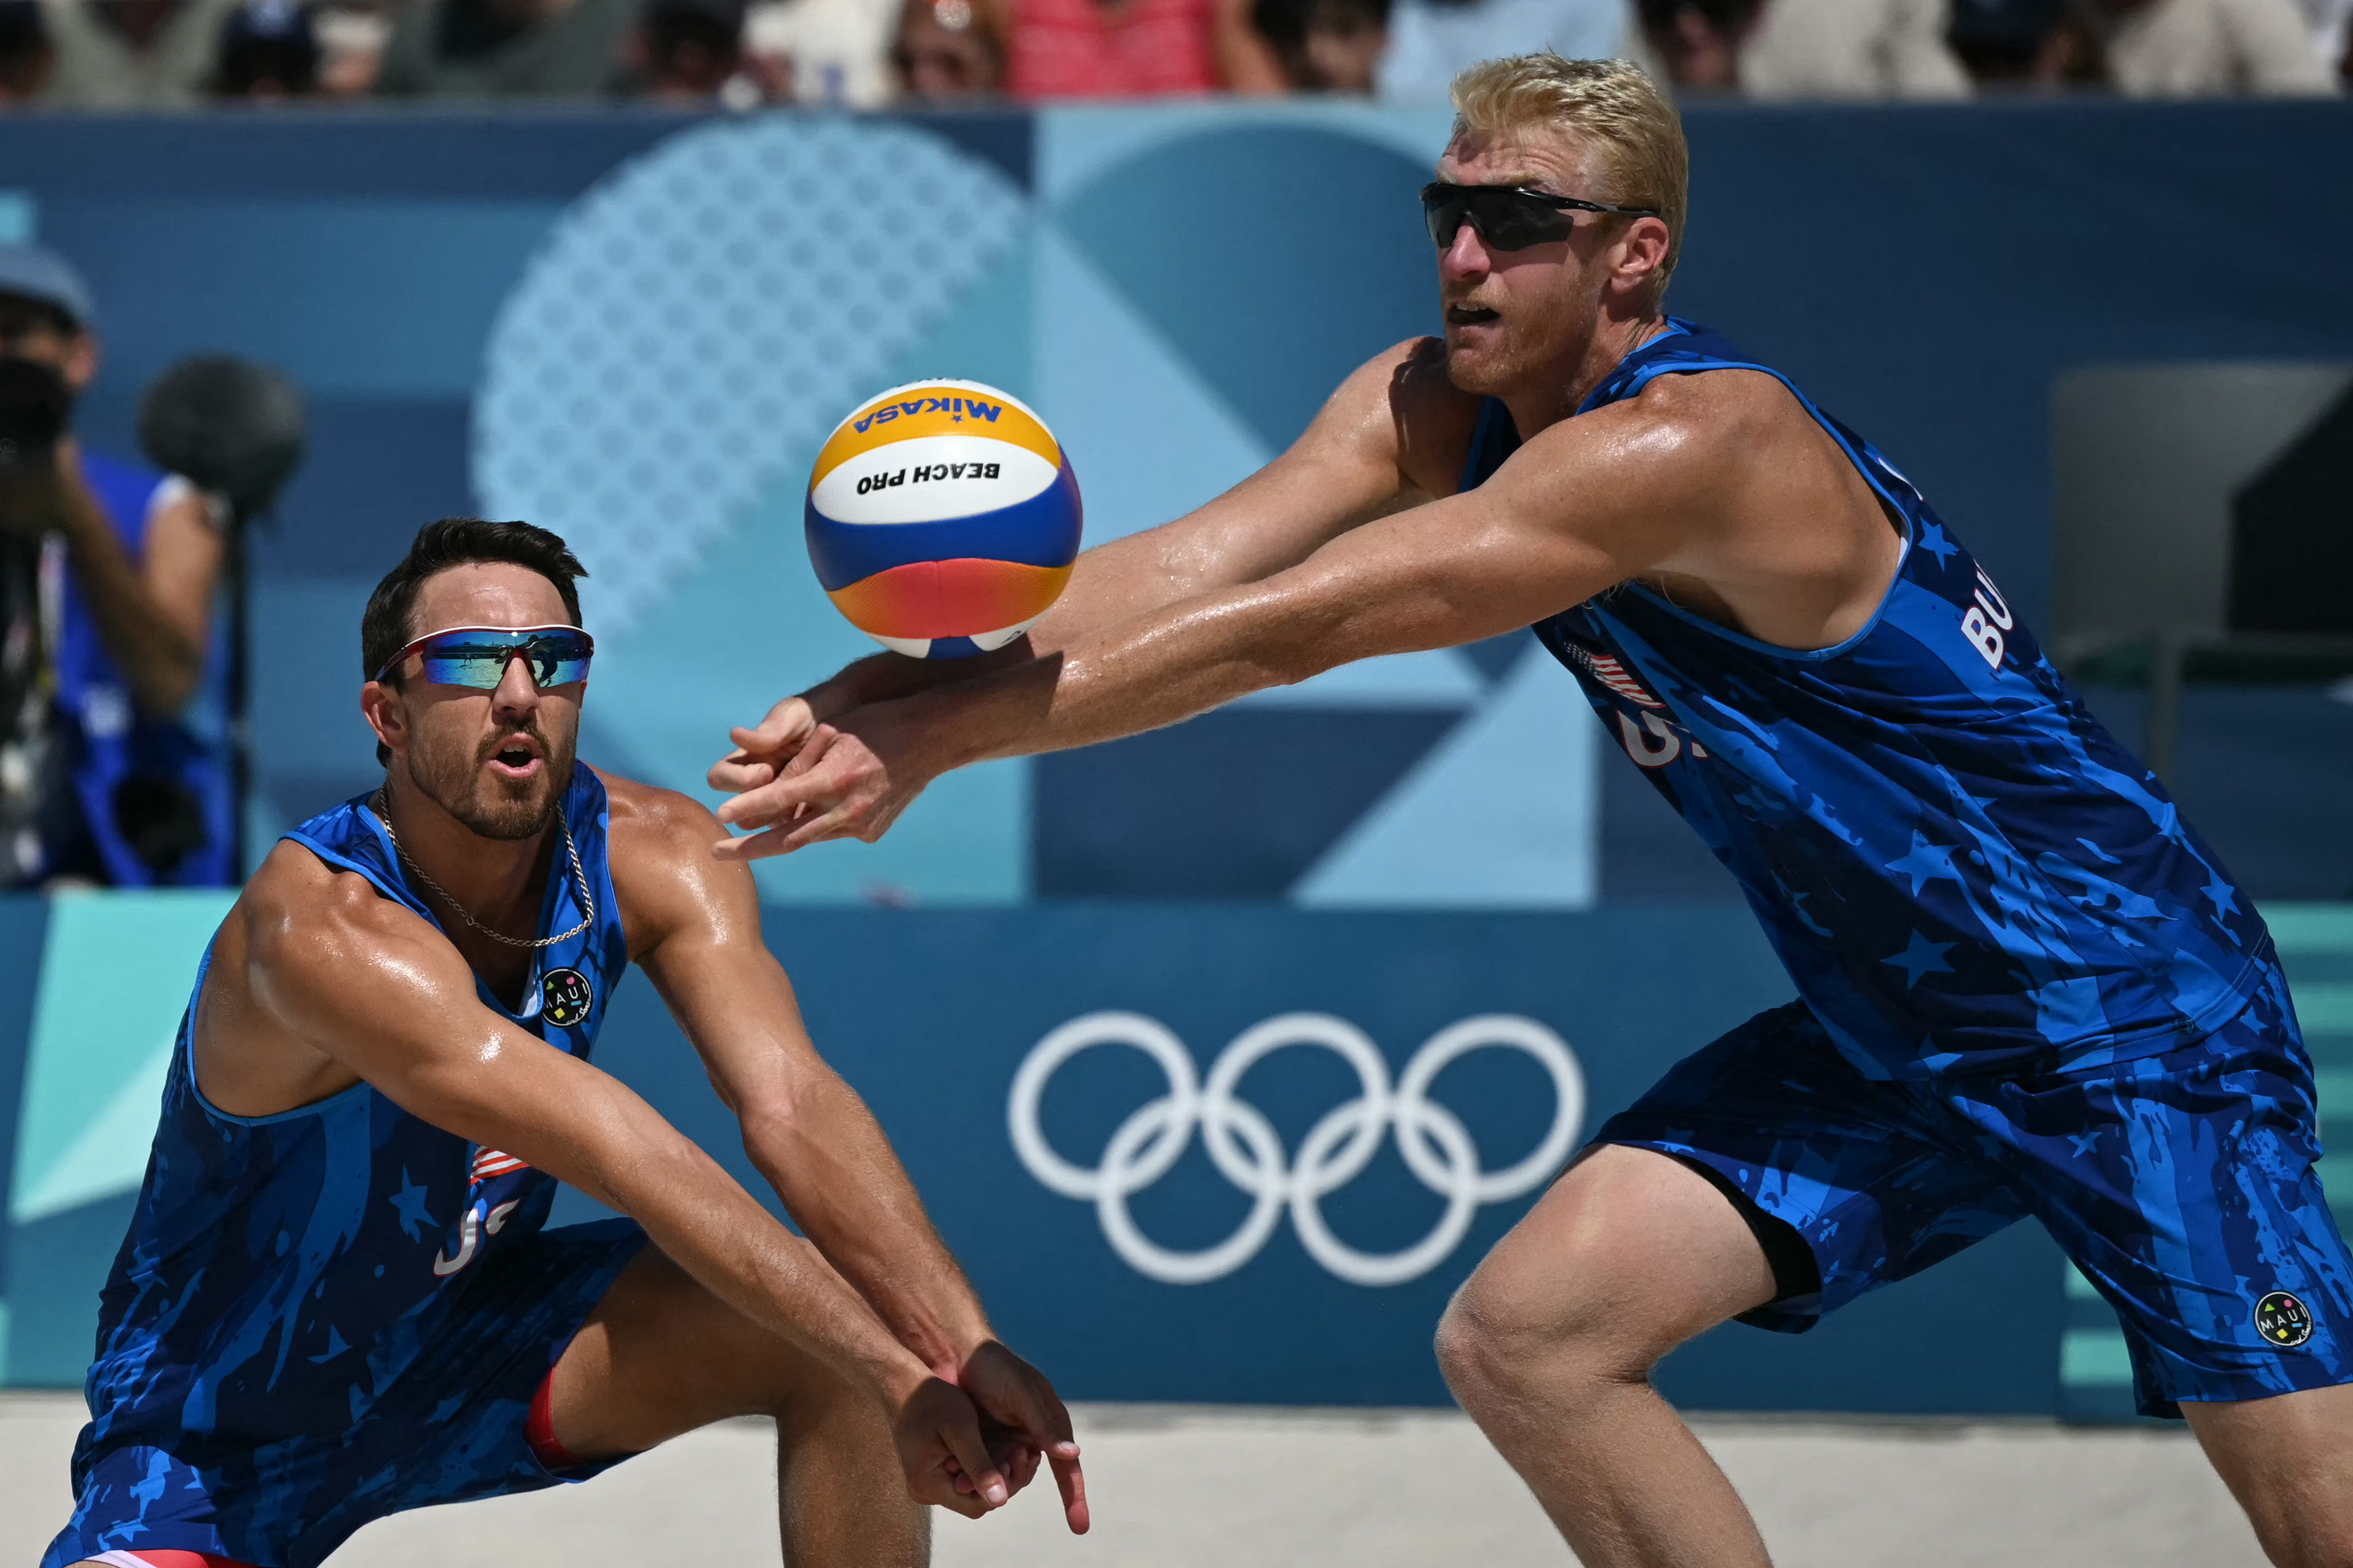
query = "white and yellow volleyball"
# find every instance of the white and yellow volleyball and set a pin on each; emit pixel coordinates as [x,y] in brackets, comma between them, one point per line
[942,518]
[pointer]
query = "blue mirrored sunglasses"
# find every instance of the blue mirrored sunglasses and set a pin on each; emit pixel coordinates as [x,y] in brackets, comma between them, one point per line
[479,656]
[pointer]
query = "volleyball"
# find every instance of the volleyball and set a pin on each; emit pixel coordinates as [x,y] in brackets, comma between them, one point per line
[942,518]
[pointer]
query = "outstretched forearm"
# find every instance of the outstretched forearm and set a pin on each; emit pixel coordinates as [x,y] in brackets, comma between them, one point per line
[715,1231]
[836,1173]
[592,1131]
[1380,589]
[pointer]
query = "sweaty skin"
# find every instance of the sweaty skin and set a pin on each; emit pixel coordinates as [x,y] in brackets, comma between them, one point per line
[318,982]
[1719,490]
[1716,491]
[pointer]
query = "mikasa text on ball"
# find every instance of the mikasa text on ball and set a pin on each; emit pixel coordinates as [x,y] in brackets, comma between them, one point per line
[942,519]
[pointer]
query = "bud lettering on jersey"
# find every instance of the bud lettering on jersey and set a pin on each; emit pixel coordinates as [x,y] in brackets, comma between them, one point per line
[1984,622]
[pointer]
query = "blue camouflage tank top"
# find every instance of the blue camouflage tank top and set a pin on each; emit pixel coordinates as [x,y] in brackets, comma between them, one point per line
[1958,864]
[282,1270]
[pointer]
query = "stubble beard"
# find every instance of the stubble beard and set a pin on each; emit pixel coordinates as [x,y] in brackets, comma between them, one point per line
[487,807]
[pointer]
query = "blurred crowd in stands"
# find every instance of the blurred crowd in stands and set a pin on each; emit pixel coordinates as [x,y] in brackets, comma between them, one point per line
[126,54]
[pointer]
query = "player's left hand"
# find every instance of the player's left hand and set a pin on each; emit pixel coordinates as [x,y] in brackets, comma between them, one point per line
[850,779]
[1020,1408]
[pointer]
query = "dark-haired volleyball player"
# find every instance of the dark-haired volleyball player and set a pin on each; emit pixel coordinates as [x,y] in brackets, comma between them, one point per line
[2026,986]
[337,1299]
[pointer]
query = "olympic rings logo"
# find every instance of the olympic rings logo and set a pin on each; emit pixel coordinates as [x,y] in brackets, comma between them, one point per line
[1247,1151]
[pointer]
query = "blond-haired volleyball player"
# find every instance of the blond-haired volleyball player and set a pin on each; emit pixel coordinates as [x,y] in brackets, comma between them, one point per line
[2025,986]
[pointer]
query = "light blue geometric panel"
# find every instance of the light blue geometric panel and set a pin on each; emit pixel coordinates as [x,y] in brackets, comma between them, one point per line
[1148,438]
[696,324]
[656,390]
[20,216]
[1077,141]
[115,975]
[1442,678]
[1501,814]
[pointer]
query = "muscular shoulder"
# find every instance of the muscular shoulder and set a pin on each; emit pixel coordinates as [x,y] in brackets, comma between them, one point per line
[298,939]
[1400,404]
[663,870]
[649,824]
[1738,414]
[298,913]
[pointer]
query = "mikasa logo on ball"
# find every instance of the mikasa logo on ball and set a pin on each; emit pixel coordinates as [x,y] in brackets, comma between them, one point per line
[956,408]
[942,518]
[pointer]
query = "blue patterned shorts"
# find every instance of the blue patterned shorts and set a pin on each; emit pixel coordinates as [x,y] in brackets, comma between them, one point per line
[450,1429]
[2181,1184]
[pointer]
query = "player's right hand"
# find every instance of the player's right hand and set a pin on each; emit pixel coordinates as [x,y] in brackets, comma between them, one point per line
[766,751]
[947,1462]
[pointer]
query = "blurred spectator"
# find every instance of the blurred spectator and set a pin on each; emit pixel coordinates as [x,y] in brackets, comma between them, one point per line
[1698,42]
[1431,40]
[833,54]
[1325,46]
[352,40]
[499,48]
[1807,48]
[133,54]
[267,49]
[1137,49]
[129,560]
[28,60]
[2017,42]
[687,52]
[2199,48]
[947,50]
[1852,49]
[2331,22]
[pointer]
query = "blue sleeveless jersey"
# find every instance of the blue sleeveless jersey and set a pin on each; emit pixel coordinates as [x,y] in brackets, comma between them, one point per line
[1958,865]
[111,743]
[283,1272]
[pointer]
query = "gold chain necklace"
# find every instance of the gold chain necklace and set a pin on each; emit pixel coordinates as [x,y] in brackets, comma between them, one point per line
[382,808]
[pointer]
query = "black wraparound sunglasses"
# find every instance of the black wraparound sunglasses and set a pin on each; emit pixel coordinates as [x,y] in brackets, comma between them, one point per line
[1508,217]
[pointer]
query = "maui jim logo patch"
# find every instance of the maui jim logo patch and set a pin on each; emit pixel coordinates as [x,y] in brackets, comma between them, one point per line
[2282,1320]
[565,997]
[956,408]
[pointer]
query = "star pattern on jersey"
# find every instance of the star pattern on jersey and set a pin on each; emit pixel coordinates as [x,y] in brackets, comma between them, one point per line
[1933,541]
[409,1205]
[2220,892]
[1925,862]
[1920,956]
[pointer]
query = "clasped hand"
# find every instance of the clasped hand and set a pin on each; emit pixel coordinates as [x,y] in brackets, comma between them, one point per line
[839,761]
[970,1445]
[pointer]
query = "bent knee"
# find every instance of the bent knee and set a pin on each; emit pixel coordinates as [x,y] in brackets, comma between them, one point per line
[1494,1341]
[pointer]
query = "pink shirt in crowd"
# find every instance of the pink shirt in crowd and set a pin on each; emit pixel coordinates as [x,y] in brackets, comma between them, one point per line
[1079,49]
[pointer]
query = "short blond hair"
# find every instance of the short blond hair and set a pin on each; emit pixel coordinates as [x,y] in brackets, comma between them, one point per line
[1611,104]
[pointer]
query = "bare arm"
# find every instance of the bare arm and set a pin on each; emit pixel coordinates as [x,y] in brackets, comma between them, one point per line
[153,614]
[1245,62]
[370,987]
[1589,504]
[1392,434]
[696,932]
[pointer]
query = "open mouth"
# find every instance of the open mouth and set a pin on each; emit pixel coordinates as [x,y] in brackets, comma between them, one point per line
[517,757]
[1469,316]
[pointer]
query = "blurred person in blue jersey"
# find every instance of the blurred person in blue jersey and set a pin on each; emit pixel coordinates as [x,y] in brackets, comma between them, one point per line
[339,1300]
[2026,987]
[142,795]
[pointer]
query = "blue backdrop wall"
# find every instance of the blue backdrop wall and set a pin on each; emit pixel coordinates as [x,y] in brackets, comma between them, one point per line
[635,328]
